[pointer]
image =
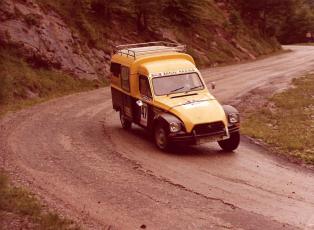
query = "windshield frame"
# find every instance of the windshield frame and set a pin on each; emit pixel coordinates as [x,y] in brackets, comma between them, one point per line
[202,87]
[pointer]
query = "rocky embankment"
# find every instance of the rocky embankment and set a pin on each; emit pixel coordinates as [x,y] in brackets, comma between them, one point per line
[50,35]
[46,41]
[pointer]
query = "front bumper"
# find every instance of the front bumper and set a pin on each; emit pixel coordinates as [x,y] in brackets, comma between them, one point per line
[194,139]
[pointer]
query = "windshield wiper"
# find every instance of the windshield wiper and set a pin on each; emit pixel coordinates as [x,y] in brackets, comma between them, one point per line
[174,90]
[196,87]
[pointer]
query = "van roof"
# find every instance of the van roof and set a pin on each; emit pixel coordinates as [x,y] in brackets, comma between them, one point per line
[146,51]
[137,50]
[154,57]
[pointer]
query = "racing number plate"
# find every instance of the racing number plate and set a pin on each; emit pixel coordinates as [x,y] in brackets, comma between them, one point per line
[144,113]
[204,140]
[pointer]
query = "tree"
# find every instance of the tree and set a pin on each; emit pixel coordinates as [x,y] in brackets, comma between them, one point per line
[267,14]
[295,27]
[143,10]
[182,12]
[103,8]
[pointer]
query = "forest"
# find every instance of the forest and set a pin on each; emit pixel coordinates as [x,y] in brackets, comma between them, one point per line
[288,20]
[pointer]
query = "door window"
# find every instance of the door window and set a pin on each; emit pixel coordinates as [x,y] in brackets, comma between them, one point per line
[125,78]
[115,69]
[144,87]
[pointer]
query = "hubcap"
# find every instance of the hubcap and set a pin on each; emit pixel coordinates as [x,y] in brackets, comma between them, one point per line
[161,138]
[122,119]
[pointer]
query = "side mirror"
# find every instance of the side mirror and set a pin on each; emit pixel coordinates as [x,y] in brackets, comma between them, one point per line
[213,85]
[139,103]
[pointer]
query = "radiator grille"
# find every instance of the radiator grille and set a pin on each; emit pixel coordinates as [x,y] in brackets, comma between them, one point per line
[209,128]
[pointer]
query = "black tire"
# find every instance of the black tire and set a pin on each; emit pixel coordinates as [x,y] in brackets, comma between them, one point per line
[161,137]
[126,124]
[232,143]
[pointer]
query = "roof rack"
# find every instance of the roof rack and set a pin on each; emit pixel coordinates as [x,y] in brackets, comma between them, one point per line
[132,50]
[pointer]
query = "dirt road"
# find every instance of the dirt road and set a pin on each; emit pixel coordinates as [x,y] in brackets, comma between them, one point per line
[72,152]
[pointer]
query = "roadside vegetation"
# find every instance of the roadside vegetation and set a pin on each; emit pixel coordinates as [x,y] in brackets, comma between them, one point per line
[19,209]
[287,20]
[286,122]
[212,35]
[21,84]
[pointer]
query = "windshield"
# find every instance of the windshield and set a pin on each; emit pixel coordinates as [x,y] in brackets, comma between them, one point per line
[177,84]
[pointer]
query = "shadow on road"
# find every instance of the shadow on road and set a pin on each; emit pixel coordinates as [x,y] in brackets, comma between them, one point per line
[206,150]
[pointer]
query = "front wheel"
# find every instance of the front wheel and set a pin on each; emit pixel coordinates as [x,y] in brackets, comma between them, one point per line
[161,137]
[126,124]
[232,143]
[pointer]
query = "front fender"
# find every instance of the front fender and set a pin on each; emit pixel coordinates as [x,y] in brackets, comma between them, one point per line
[166,119]
[230,109]
[235,127]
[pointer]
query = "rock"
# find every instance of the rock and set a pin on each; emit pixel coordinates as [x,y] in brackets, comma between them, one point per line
[242,49]
[46,41]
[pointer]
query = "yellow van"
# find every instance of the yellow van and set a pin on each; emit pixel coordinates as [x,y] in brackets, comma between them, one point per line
[157,86]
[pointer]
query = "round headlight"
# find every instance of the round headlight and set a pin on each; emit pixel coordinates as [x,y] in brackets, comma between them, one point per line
[233,118]
[174,127]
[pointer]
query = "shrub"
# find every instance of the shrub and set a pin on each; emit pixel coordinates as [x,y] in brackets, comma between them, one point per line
[32,19]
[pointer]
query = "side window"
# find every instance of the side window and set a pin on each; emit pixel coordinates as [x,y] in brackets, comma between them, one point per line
[144,87]
[115,69]
[125,78]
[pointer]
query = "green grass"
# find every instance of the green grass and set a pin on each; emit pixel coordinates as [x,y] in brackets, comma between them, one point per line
[22,85]
[286,122]
[22,203]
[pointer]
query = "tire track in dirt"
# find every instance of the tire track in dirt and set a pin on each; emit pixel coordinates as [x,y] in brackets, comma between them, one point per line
[72,152]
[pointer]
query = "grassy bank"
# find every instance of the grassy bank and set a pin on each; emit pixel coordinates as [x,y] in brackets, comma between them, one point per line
[19,209]
[22,84]
[286,122]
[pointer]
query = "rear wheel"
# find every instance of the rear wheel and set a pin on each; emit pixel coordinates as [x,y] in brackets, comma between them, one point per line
[161,137]
[126,124]
[232,143]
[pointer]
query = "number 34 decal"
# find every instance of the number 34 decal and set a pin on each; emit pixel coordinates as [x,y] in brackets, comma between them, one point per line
[144,113]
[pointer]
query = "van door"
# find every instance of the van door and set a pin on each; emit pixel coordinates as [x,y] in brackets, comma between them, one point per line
[125,85]
[144,111]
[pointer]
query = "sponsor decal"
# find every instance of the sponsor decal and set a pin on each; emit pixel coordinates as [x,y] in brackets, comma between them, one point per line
[162,74]
[144,113]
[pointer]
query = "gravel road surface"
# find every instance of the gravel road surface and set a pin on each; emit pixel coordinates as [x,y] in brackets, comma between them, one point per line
[73,154]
